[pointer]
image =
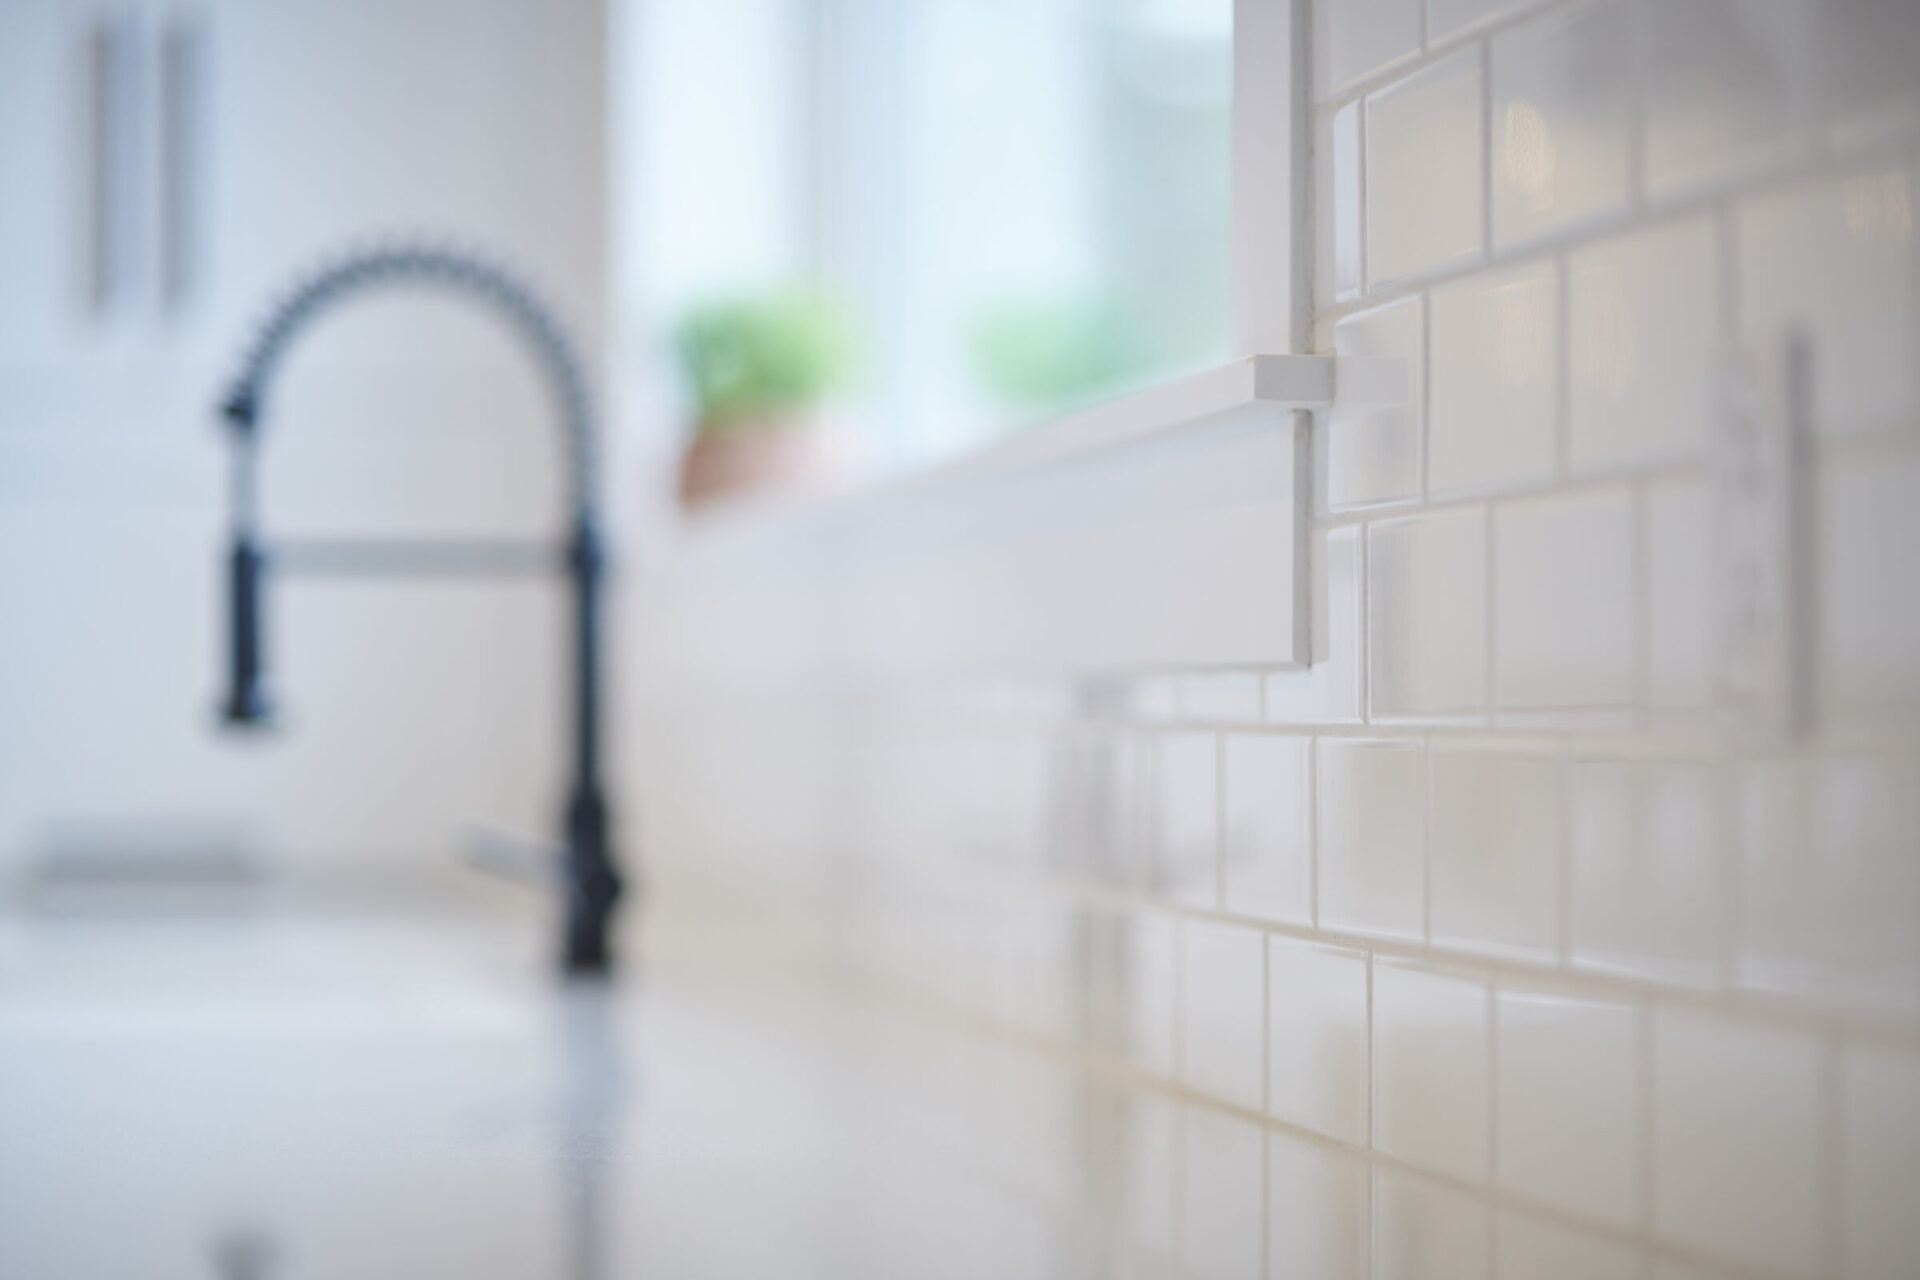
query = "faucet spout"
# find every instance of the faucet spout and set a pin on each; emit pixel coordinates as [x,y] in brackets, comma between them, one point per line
[591,871]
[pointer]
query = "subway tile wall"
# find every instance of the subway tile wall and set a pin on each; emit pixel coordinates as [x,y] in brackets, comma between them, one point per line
[1486,945]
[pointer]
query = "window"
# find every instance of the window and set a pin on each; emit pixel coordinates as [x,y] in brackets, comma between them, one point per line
[1022,204]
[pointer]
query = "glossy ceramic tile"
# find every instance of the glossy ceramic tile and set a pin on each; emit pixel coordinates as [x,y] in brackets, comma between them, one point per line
[1449,18]
[1423,155]
[1426,1230]
[1356,39]
[1317,1035]
[1870,538]
[1681,591]
[1562,119]
[1431,1068]
[1371,836]
[1563,601]
[1148,974]
[1492,381]
[1495,837]
[1223,999]
[1221,1236]
[1646,849]
[1185,817]
[1834,260]
[1336,274]
[1644,343]
[1267,853]
[1827,887]
[1867,52]
[1569,1073]
[1426,601]
[1221,697]
[1738,1139]
[1317,1211]
[1374,454]
[1881,1234]
[1532,1246]
[1328,691]
[1729,87]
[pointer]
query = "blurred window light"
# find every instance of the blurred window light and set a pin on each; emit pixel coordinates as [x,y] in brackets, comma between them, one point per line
[1023,204]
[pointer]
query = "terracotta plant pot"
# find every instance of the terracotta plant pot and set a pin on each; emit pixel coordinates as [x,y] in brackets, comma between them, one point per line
[765,457]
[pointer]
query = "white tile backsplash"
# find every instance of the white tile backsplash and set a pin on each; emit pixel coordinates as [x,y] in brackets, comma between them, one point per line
[1562,120]
[1737,1140]
[1563,601]
[1881,1141]
[1374,452]
[1834,260]
[1267,851]
[1424,146]
[1357,39]
[1223,986]
[1495,839]
[1223,1206]
[1643,314]
[1492,399]
[1431,1066]
[1729,87]
[1317,1035]
[1371,836]
[1569,1080]
[1424,1230]
[1426,607]
[1317,1212]
[1483,838]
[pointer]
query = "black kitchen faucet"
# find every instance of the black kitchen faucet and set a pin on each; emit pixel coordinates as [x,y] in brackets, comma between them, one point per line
[590,874]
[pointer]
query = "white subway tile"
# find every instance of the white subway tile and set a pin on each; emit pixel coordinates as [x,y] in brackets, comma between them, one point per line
[1645,854]
[1372,836]
[1328,691]
[1356,38]
[1495,849]
[1830,891]
[1680,587]
[1185,818]
[1737,1139]
[1645,342]
[1427,1230]
[1562,117]
[1528,1247]
[1317,1069]
[1149,1145]
[1337,206]
[1729,86]
[1373,452]
[1223,998]
[1568,1118]
[1427,629]
[1834,259]
[1868,50]
[1882,1150]
[1222,1199]
[1316,1212]
[1430,1068]
[1423,160]
[1491,399]
[1267,854]
[1563,601]
[1447,18]
[1151,993]
[1869,642]
[1225,697]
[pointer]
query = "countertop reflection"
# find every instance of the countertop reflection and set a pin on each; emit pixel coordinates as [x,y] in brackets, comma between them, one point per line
[358,1095]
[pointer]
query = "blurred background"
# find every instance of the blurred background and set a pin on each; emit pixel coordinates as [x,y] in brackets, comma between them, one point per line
[1461,819]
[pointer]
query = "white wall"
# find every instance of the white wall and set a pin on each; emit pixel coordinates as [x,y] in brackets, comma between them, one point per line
[1482,946]
[408,706]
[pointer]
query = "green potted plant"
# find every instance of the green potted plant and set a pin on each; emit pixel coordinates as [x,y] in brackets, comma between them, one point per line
[757,370]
